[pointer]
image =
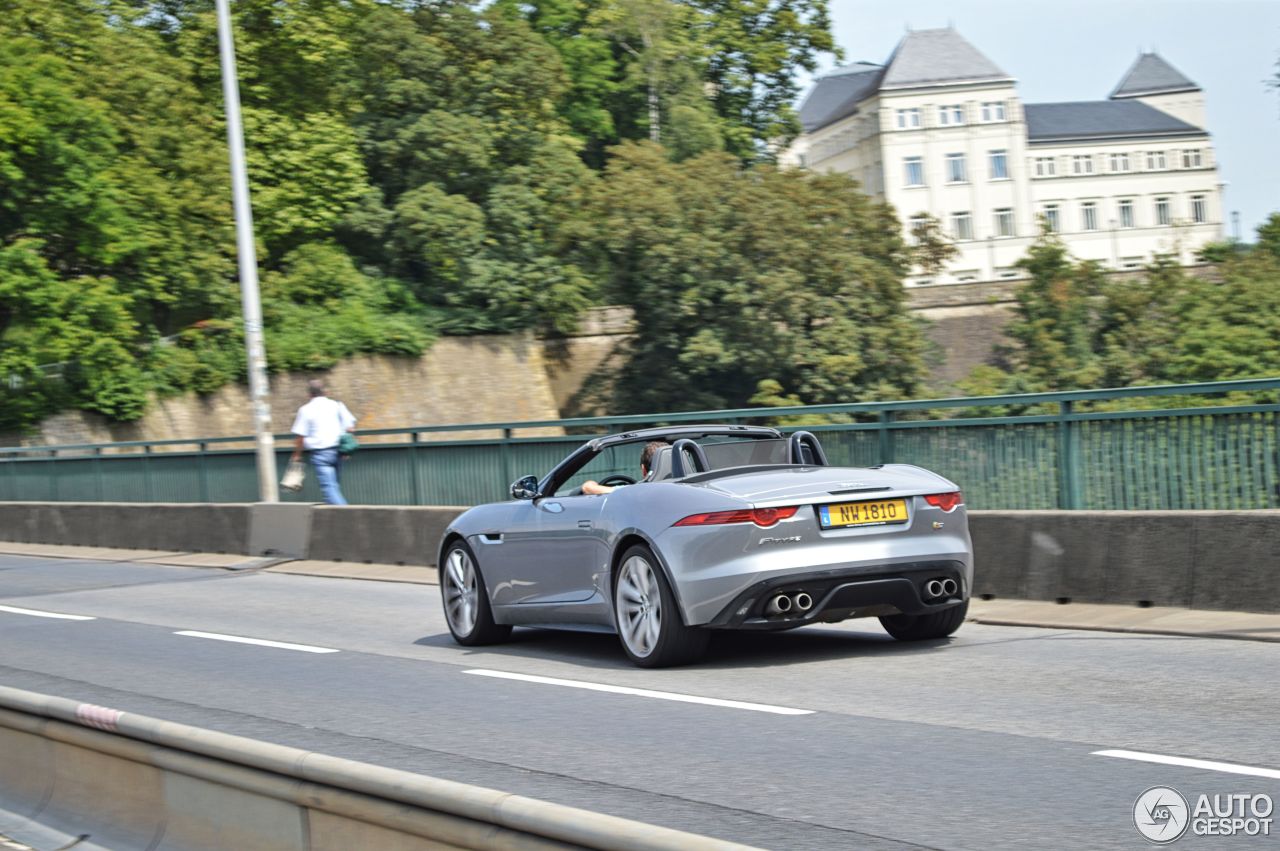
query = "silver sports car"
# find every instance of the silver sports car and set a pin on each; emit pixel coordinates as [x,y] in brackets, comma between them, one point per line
[665,534]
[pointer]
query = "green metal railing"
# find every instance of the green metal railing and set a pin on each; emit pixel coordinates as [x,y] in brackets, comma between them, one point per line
[1060,450]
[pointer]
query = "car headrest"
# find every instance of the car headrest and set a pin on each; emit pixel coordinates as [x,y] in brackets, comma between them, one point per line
[661,466]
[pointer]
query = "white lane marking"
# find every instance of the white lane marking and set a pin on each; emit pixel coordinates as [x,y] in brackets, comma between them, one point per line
[35,613]
[642,692]
[239,639]
[1206,764]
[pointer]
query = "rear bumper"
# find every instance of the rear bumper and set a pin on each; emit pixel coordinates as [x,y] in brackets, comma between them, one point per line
[841,594]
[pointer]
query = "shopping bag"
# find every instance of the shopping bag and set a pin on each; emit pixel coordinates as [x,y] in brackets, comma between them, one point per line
[294,475]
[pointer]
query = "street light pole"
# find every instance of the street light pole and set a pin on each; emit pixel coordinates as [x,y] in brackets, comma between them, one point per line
[250,300]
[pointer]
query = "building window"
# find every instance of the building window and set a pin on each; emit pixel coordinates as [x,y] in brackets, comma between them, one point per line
[1191,158]
[1162,211]
[1051,218]
[1130,262]
[1126,213]
[908,118]
[956,172]
[1004,222]
[1082,164]
[915,224]
[1199,213]
[999,165]
[1155,161]
[962,226]
[1089,215]
[1045,167]
[1119,162]
[915,171]
[1008,273]
[953,114]
[993,111]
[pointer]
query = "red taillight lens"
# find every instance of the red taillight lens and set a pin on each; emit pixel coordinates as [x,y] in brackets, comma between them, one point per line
[945,501]
[763,517]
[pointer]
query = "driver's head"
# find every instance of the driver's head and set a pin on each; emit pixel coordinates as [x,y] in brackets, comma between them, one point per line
[651,449]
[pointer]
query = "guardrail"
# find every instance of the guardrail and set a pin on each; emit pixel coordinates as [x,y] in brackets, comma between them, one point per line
[1074,450]
[130,781]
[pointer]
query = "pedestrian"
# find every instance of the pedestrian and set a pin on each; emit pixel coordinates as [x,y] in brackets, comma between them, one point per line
[319,427]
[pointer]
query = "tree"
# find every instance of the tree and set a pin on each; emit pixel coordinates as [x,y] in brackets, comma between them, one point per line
[696,75]
[738,275]
[1076,329]
[930,246]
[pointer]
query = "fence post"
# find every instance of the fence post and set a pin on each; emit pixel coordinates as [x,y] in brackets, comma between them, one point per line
[505,451]
[146,474]
[415,486]
[97,469]
[885,419]
[1068,460]
[53,475]
[203,465]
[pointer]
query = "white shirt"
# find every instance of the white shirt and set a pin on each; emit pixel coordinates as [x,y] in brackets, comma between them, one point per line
[321,422]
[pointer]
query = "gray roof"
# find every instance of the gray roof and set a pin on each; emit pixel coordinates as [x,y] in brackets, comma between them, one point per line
[837,94]
[922,58]
[1152,75]
[938,57]
[1104,119]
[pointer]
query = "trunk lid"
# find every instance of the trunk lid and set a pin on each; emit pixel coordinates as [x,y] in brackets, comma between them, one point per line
[808,485]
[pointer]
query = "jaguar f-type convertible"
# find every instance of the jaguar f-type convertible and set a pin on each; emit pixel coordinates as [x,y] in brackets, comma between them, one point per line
[723,527]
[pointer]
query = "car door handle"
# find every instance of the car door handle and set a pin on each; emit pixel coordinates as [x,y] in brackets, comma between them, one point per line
[584,524]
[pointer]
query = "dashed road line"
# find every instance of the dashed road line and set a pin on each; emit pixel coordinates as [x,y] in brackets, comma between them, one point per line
[642,692]
[14,610]
[1206,764]
[261,642]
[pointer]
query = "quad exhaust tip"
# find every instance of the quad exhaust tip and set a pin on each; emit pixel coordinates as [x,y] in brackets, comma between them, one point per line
[936,588]
[803,602]
[778,604]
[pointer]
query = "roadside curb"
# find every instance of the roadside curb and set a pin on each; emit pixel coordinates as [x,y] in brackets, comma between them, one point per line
[412,574]
[1151,620]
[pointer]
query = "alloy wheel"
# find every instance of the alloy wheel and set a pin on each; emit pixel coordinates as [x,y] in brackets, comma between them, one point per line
[460,592]
[639,606]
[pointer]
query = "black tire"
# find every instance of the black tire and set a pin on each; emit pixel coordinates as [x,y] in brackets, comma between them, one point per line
[924,627]
[676,644]
[483,628]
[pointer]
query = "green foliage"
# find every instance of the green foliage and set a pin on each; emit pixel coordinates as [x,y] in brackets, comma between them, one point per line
[739,275]
[695,75]
[1076,328]
[407,166]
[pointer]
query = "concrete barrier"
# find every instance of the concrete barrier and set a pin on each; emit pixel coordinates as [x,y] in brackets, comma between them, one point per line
[128,781]
[1192,559]
[185,527]
[379,534]
[1228,560]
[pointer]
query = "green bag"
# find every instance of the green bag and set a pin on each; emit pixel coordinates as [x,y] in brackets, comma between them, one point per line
[347,443]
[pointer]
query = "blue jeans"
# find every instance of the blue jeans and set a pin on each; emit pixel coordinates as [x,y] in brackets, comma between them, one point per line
[327,464]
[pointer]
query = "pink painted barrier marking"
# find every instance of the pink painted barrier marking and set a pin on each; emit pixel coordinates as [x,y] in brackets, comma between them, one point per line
[98,716]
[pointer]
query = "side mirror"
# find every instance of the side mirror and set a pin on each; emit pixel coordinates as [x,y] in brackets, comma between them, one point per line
[525,488]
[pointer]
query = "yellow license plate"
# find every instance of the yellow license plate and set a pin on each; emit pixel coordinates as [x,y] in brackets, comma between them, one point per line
[880,512]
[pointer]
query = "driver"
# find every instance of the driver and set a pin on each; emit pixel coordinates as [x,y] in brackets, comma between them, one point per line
[651,449]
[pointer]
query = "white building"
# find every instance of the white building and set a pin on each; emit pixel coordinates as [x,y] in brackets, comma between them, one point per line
[939,129]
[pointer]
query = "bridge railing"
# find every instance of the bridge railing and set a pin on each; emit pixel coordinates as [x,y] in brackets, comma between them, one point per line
[1214,446]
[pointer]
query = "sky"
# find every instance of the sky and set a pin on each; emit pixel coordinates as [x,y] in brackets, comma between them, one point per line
[1071,50]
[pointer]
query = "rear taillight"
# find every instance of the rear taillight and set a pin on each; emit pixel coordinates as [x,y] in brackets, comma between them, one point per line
[763,517]
[945,501]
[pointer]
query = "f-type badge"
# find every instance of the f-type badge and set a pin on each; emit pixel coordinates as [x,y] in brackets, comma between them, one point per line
[794,539]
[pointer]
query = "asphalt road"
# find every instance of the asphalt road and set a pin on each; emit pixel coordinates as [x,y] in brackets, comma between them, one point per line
[984,741]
